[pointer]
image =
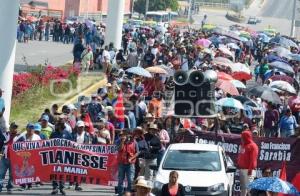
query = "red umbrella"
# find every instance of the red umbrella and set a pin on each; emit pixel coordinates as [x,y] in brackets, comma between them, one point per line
[294,103]
[224,76]
[283,78]
[242,76]
[227,87]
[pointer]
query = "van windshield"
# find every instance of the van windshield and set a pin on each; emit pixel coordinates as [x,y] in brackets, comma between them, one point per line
[191,160]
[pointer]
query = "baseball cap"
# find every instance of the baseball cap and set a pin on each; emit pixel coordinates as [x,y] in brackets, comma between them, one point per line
[30,126]
[80,123]
[45,117]
[37,127]
[72,107]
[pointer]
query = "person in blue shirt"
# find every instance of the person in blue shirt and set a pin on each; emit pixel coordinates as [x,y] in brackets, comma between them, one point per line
[287,124]
[38,129]
[60,132]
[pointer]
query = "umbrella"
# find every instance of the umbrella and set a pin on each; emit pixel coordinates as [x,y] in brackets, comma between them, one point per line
[222,61]
[295,57]
[156,69]
[272,58]
[230,102]
[241,75]
[226,51]
[244,39]
[283,85]
[227,87]
[209,27]
[238,84]
[282,52]
[246,101]
[203,42]
[273,184]
[245,34]
[284,42]
[282,78]
[31,18]
[294,103]
[170,71]
[233,46]
[264,38]
[266,93]
[139,71]
[282,66]
[224,76]
[240,67]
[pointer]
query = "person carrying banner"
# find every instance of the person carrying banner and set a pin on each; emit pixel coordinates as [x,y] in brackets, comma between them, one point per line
[29,136]
[60,132]
[9,138]
[247,161]
[127,154]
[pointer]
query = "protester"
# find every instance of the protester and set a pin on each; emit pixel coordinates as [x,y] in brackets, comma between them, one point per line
[127,154]
[60,132]
[288,124]
[154,145]
[143,188]
[9,138]
[247,161]
[173,187]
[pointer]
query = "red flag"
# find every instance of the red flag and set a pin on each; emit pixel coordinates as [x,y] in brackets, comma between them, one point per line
[88,122]
[119,108]
[282,175]
[296,181]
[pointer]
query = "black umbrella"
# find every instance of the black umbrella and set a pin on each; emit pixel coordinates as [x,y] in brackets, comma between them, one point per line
[246,101]
[265,93]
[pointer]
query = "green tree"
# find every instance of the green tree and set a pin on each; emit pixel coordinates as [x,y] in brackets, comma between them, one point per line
[155,5]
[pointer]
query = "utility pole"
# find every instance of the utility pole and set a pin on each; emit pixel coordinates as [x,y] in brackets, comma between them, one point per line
[190,11]
[147,7]
[293,19]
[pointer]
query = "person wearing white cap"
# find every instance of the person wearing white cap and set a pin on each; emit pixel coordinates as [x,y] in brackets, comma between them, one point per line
[81,137]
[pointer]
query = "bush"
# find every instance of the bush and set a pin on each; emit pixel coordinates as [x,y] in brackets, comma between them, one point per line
[41,77]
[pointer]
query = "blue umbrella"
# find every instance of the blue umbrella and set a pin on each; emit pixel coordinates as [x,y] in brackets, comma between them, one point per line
[282,67]
[264,38]
[139,71]
[230,102]
[272,58]
[295,57]
[273,184]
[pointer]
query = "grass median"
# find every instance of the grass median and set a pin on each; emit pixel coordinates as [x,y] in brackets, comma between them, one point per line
[29,105]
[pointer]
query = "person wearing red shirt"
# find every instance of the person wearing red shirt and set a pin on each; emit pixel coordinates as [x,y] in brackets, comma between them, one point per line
[247,160]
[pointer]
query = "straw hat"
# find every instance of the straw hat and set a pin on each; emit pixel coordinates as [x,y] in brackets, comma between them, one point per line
[143,183]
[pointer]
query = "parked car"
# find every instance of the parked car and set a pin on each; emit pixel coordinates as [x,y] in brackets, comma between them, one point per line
[253,20]
[204,169]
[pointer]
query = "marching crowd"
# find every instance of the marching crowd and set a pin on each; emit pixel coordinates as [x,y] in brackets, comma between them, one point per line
[147,125]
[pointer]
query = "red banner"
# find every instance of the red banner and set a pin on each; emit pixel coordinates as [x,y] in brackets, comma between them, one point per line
[60,159]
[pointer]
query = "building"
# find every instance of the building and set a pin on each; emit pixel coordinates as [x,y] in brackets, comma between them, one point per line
[95,9]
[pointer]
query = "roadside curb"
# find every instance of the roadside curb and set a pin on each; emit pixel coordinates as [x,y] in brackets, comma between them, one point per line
[86,92]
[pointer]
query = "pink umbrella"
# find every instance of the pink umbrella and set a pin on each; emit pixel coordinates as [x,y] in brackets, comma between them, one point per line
[227,87]
[203,42]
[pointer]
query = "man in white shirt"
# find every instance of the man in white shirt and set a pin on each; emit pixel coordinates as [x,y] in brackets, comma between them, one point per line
[105,59]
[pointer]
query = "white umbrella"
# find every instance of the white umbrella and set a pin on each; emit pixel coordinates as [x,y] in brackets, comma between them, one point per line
[240,67]
[238,84]
[283,86]
[226,51]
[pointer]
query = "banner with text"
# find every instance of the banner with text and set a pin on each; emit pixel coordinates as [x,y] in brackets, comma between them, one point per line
[63,160]
[272,151]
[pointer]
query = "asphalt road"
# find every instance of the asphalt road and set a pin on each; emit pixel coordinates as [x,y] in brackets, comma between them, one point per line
[273,13]
[278,9]
[88,190]
[39,52]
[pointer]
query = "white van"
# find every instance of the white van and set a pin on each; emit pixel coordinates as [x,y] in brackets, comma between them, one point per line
[203,169]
